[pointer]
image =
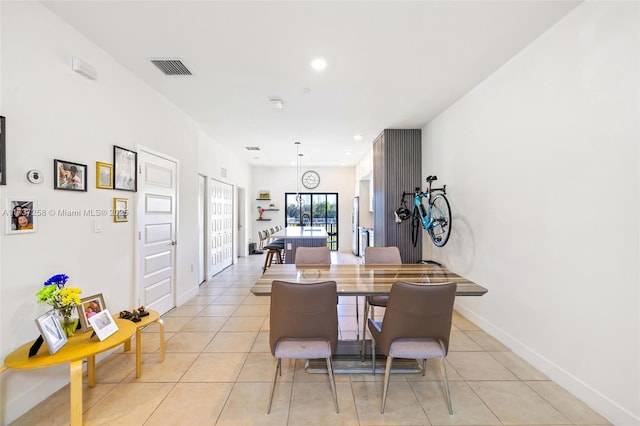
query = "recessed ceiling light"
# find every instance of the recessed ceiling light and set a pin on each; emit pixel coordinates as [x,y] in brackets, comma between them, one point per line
[357,137]
[318,64]
[348,152]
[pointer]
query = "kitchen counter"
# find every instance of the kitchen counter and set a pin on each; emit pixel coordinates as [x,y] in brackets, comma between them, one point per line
[300,236]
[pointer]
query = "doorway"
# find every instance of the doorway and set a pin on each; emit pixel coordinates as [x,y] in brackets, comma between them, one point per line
[318,209]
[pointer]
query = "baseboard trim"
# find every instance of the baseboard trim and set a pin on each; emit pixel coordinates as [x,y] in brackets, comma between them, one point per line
[594,399]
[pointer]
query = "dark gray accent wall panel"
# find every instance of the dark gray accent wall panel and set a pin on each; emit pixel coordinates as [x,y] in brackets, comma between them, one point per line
[397,167]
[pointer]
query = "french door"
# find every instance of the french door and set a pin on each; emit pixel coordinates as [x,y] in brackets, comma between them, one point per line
[314,209]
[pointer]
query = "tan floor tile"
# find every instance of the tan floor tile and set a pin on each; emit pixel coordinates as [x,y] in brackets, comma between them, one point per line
[236,341]
[215,367]
[478,366]
[128,403]
[252,311]
[462,323]
[460,342]
[468,409]
[114,368]
[261,367]
[228,300]
[43,414]
[174,324]
[577,411]
[485,341]
[171,370]
[312,404]
[515,403]
[521,368]
[206,324]
[185,311]
[248,402]
[237,291]
[261,344]
[213,291]
[402,408]
[218,311]
[201,299]
[192,404]
[252,299]
[188,342]
[243,324]
[434,373]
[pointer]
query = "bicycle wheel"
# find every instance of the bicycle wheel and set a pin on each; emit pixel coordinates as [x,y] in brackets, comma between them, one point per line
[416,224]
[441,216]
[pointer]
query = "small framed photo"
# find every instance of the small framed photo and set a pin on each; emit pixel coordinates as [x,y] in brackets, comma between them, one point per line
[69,176]
[103,324]
[125,165]
[20,216]
[120,209]
[90,306]
[104,175]
[51,331]
[3,152]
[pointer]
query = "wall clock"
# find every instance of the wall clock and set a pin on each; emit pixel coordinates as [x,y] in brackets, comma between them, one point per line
[310,179]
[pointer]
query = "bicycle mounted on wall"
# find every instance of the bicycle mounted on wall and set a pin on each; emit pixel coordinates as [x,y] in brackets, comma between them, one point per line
[435,217]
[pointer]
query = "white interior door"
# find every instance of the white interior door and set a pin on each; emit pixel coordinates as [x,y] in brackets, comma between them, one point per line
[156,213]
[202,220]
[220,226]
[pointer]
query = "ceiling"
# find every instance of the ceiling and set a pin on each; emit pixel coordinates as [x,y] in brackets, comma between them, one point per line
[390,64]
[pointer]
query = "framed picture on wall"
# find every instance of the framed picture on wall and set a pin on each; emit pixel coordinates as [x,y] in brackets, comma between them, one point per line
[3,152]
[125,164]
[120,209]
[69,176]
[20,216]
[104,175]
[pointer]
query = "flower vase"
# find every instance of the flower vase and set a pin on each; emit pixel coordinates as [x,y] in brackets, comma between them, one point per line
[68,320]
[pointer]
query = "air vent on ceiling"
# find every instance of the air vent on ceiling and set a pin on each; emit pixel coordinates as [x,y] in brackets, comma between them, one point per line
[252,148]
[171,66]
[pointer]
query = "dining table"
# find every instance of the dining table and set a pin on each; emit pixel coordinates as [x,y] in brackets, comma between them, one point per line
[363,280]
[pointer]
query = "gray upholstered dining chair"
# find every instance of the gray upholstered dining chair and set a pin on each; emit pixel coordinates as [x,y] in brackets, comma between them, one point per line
[303,324]
[313,256]
[416,324]
[377,256]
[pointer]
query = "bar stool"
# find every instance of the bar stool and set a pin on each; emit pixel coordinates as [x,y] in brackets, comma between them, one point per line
[273,248]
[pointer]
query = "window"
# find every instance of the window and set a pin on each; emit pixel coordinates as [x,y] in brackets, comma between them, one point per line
[318,209]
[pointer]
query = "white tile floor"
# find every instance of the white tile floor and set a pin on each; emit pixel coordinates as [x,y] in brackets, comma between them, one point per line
[218,370]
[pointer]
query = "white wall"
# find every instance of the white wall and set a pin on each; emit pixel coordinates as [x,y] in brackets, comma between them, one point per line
[278,180]
[541,165]
[53,112]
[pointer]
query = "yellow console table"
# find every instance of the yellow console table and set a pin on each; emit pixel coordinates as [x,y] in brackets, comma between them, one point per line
[77,348]
[153,316]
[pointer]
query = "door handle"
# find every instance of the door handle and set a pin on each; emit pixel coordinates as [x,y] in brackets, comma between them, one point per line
[174,242]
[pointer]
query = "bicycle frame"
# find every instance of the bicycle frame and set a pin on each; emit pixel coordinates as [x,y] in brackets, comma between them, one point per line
[426,214]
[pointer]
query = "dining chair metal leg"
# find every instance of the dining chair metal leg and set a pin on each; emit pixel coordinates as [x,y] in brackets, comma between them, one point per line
[387,373]
[364,328]
[373,356]
[273,387]
[424,366]
[446,386]
[332,382]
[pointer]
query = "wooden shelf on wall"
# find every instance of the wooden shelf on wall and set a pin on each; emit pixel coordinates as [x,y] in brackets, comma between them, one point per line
[262,220]
[263,199]
[271,210]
